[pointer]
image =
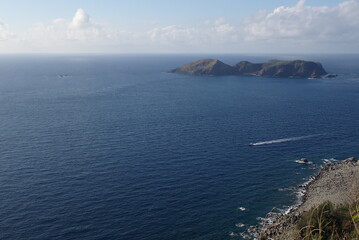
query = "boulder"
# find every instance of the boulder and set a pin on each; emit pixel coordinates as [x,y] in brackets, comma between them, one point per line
[351,160]
[303,160]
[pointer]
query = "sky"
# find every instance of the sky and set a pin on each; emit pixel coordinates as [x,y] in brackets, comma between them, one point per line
[186,26]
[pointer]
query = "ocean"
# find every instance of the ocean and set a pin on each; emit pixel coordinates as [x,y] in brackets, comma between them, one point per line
[113,147]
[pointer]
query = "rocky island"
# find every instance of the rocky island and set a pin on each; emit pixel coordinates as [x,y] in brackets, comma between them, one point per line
[273,68]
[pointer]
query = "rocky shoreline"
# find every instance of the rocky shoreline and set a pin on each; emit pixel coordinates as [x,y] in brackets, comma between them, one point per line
[335,182]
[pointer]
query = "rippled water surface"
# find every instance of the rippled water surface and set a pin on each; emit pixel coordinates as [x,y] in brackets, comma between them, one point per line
[112,147]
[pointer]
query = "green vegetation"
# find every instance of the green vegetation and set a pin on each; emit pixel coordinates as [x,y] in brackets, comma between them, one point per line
[330,222]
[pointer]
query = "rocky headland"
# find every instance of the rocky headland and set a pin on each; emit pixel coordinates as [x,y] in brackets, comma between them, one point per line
[337,183]
[273,68]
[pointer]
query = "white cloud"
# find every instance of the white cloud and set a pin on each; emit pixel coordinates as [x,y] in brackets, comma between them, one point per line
[210,32]
[81,20]
[172,34]
[220,26]
[4,32]
[306,23]
[80,28]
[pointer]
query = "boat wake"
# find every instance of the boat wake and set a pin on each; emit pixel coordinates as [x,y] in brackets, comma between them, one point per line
[283,140]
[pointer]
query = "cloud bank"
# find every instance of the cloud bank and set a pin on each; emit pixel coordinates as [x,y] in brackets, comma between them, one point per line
[80,28]
[286,28]
[4,32]
[338,23]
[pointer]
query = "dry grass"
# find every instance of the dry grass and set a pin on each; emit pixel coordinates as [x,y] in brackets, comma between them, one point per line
[330,222]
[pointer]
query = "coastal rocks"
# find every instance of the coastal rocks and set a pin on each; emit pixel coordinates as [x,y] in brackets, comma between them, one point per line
[303,160]
[273,68]
[280,227]
[337,183]
[350,160]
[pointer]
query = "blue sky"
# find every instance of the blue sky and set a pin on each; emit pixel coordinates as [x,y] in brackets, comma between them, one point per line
[187,26]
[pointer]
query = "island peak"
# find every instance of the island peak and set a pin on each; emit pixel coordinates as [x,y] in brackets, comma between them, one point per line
[206,66]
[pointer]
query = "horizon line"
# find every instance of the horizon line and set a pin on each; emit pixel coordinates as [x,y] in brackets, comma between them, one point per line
[174,53]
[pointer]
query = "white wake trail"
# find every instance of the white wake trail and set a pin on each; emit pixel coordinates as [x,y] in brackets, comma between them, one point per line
[283,140]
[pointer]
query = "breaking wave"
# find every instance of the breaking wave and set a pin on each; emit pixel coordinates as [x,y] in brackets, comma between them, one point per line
[329,160]
[242,209]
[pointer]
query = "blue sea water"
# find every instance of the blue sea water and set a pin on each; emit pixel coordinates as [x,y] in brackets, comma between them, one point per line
[113,147]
